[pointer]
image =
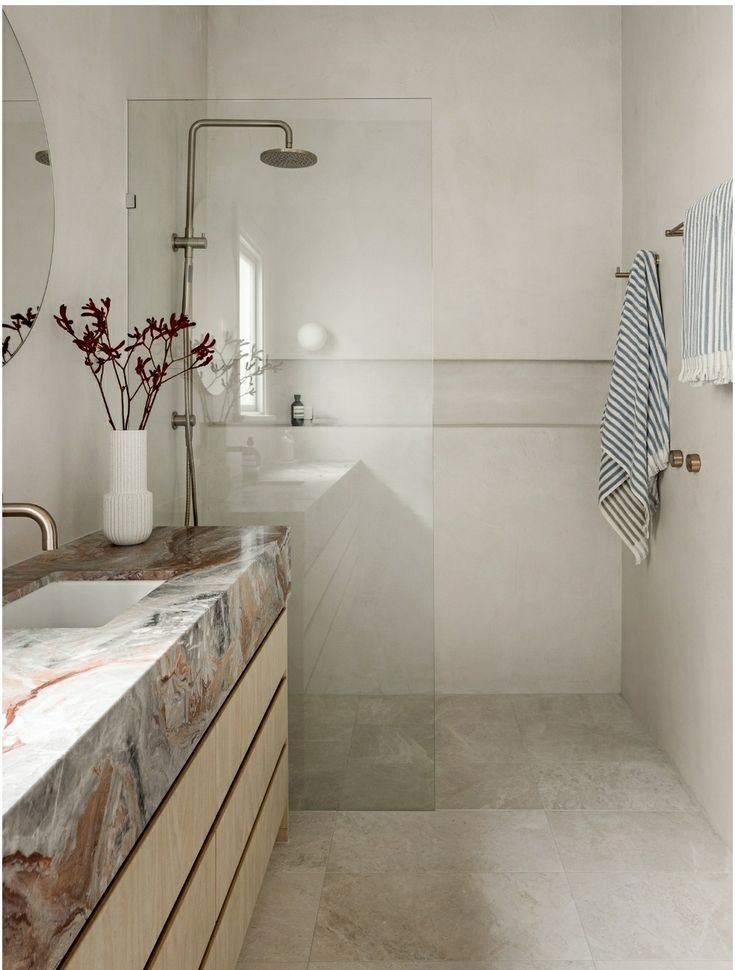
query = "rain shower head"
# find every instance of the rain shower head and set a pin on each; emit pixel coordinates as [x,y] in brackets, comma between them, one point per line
[288,157]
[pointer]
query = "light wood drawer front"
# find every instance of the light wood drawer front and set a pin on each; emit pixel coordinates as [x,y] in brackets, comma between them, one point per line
[182,945]
[247,704]
[124,929]
[241,808]
[234,918]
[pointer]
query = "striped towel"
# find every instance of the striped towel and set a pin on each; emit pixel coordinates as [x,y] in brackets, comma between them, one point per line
[706,343]
[635,420]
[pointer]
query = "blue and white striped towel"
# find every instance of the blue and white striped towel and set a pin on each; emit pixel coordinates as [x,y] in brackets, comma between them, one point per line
[706,341]
[635,420]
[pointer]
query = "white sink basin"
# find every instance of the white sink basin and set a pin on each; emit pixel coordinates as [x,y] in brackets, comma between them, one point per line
[75,603]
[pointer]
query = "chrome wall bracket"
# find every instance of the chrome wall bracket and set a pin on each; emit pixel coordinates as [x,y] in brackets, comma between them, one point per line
[184,242]
[179,420]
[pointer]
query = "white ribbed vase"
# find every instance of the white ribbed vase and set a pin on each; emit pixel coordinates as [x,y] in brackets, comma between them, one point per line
[127,513]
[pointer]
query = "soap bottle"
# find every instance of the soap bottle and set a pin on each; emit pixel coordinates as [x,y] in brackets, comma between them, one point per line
[286,447]
[250,461]
[297,411]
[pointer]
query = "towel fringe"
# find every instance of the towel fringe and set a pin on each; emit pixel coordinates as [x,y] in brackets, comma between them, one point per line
[715,368]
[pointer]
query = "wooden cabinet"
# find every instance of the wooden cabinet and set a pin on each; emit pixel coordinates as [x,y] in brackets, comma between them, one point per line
[203,856]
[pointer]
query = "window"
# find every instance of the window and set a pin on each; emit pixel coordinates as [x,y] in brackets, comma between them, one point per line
[250,311]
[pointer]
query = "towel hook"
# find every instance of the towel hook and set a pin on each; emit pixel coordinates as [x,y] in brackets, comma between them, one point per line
[676,458]
[676,231]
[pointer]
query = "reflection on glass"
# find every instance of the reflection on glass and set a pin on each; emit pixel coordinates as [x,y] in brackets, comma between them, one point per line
[251,324]
[346,245]
[28,200]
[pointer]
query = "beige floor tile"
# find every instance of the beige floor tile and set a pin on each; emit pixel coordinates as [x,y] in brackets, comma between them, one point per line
[309,838]
[282,925]
[628,786]
[315,790]
[558,741]
[595,710]
[458,709]
[636,965]
[321,717]
[243,964]
[664,965]
[638,841]
[367,842]
[448,916]
[374,786]
[407,743]
[478,743]
[318,755]
[464,965]
[395,709]
[655,916]
[459,785]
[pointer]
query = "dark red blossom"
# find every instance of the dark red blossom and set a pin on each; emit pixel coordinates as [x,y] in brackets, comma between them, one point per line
[159,364]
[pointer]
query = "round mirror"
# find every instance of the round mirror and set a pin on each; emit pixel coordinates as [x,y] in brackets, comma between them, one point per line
[28,199]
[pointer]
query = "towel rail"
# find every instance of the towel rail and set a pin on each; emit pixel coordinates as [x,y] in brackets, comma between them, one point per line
[623,275]
[676,231]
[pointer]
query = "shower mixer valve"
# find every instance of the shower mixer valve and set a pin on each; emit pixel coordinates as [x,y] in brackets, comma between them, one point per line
[179,420]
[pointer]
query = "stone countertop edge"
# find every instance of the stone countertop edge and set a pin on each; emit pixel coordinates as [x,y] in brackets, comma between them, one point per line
[130,699]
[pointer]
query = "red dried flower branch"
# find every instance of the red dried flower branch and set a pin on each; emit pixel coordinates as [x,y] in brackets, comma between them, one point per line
[18,321]
[156,361]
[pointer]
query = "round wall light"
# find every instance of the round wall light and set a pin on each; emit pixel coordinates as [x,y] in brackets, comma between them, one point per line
[312,336]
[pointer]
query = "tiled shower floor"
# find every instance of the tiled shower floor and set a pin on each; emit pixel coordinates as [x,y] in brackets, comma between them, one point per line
[561,834]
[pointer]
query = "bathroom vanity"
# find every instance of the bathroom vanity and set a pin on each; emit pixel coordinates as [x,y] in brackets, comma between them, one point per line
[145,765]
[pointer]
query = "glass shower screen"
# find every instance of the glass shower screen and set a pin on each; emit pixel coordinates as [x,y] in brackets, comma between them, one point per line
[324,274]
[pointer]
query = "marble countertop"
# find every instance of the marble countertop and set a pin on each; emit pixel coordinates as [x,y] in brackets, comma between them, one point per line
[99,722]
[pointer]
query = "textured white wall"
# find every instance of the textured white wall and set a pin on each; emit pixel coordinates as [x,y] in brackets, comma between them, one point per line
[526,234]
[677,638]
[85,62]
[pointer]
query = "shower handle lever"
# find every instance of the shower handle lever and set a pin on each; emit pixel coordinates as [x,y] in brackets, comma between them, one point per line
[188,242]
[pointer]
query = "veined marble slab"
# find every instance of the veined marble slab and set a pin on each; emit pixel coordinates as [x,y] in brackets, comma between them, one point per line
[99,722]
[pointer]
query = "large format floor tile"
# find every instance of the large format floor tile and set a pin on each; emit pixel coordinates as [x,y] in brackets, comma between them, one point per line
[655,916]
[637,786]
[282,924]
[409,743]
[375,786]
[556,741]
[321,717]
[469,965]
[534,794]
[309,840]
[633,841]
[244,964]
[492,709]
[315,790]
[663,965]
[595,710]
[366,842]
[479,742]
[490,785]
[396,709]
[448,916]
[318,755]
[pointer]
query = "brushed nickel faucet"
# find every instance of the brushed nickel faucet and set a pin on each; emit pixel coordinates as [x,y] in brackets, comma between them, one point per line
[44,519]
